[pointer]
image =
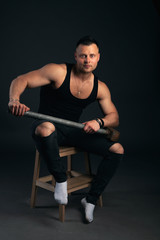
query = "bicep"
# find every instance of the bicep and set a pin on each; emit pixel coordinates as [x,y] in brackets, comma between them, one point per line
[34,79]
[105,101]
[43,76]
[107,106]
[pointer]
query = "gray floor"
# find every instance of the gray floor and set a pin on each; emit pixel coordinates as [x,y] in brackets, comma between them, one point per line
[131,204]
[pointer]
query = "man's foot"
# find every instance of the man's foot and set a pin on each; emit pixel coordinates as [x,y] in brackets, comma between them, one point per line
[60,193]
[89,208]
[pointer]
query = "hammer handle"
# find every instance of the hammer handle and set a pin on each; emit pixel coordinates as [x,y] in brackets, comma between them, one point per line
[111,133]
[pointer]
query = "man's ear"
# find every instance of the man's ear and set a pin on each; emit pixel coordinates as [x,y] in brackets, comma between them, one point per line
[75,55]
[99,57]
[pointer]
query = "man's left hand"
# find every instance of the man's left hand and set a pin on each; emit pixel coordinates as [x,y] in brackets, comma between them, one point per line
[91,126]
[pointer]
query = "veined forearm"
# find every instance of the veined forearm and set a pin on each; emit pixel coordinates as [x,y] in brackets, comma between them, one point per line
[17,87]
[111,120]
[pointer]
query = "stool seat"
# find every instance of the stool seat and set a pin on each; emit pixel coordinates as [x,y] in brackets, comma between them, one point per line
[75,180]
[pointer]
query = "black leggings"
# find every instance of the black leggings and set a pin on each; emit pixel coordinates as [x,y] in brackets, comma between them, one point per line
[93,143]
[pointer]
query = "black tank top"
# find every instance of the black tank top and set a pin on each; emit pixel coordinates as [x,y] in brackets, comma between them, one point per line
[61,103]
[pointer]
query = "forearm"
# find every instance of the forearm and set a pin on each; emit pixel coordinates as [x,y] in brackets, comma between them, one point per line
[17,87]
[111,120]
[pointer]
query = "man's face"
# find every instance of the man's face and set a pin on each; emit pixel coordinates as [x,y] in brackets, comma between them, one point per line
[87,57]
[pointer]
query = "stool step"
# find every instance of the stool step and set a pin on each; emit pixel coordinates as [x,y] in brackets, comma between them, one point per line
[45,178]
[77,183]
[73,183]
[45,185]
[69,173]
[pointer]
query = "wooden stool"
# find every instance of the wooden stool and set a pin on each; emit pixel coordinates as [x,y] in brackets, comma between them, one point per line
[75,181]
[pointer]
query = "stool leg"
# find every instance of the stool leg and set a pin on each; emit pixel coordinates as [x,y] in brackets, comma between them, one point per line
[100,201]
[53,181]
[35,177]
[61,212]
[87,163]
[69,166]
[69,163]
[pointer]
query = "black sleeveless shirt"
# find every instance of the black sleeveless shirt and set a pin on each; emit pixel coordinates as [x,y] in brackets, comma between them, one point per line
[61,103]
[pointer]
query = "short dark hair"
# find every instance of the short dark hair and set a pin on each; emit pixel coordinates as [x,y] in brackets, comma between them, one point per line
[87,40]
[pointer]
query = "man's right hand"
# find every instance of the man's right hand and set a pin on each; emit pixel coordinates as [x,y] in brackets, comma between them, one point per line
[17,108]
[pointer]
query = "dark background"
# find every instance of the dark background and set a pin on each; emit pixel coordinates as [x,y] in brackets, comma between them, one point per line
[34,33]
[39,32]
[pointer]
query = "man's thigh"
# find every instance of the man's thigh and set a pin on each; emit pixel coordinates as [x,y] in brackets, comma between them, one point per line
[93,143]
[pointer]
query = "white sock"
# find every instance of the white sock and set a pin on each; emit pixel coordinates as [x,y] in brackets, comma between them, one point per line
[60,193]
[89,208]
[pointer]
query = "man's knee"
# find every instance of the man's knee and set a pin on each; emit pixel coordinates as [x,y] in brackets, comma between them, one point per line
[45,129]
[117,148]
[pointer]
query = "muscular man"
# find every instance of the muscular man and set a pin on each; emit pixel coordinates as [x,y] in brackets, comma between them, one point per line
[66,89]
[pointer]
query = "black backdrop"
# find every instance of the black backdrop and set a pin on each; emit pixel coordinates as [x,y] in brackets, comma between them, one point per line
[34,33]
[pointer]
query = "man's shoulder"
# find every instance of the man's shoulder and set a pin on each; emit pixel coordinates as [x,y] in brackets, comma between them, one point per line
[103,90]
[101,83]
[54,72]
[56,66]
